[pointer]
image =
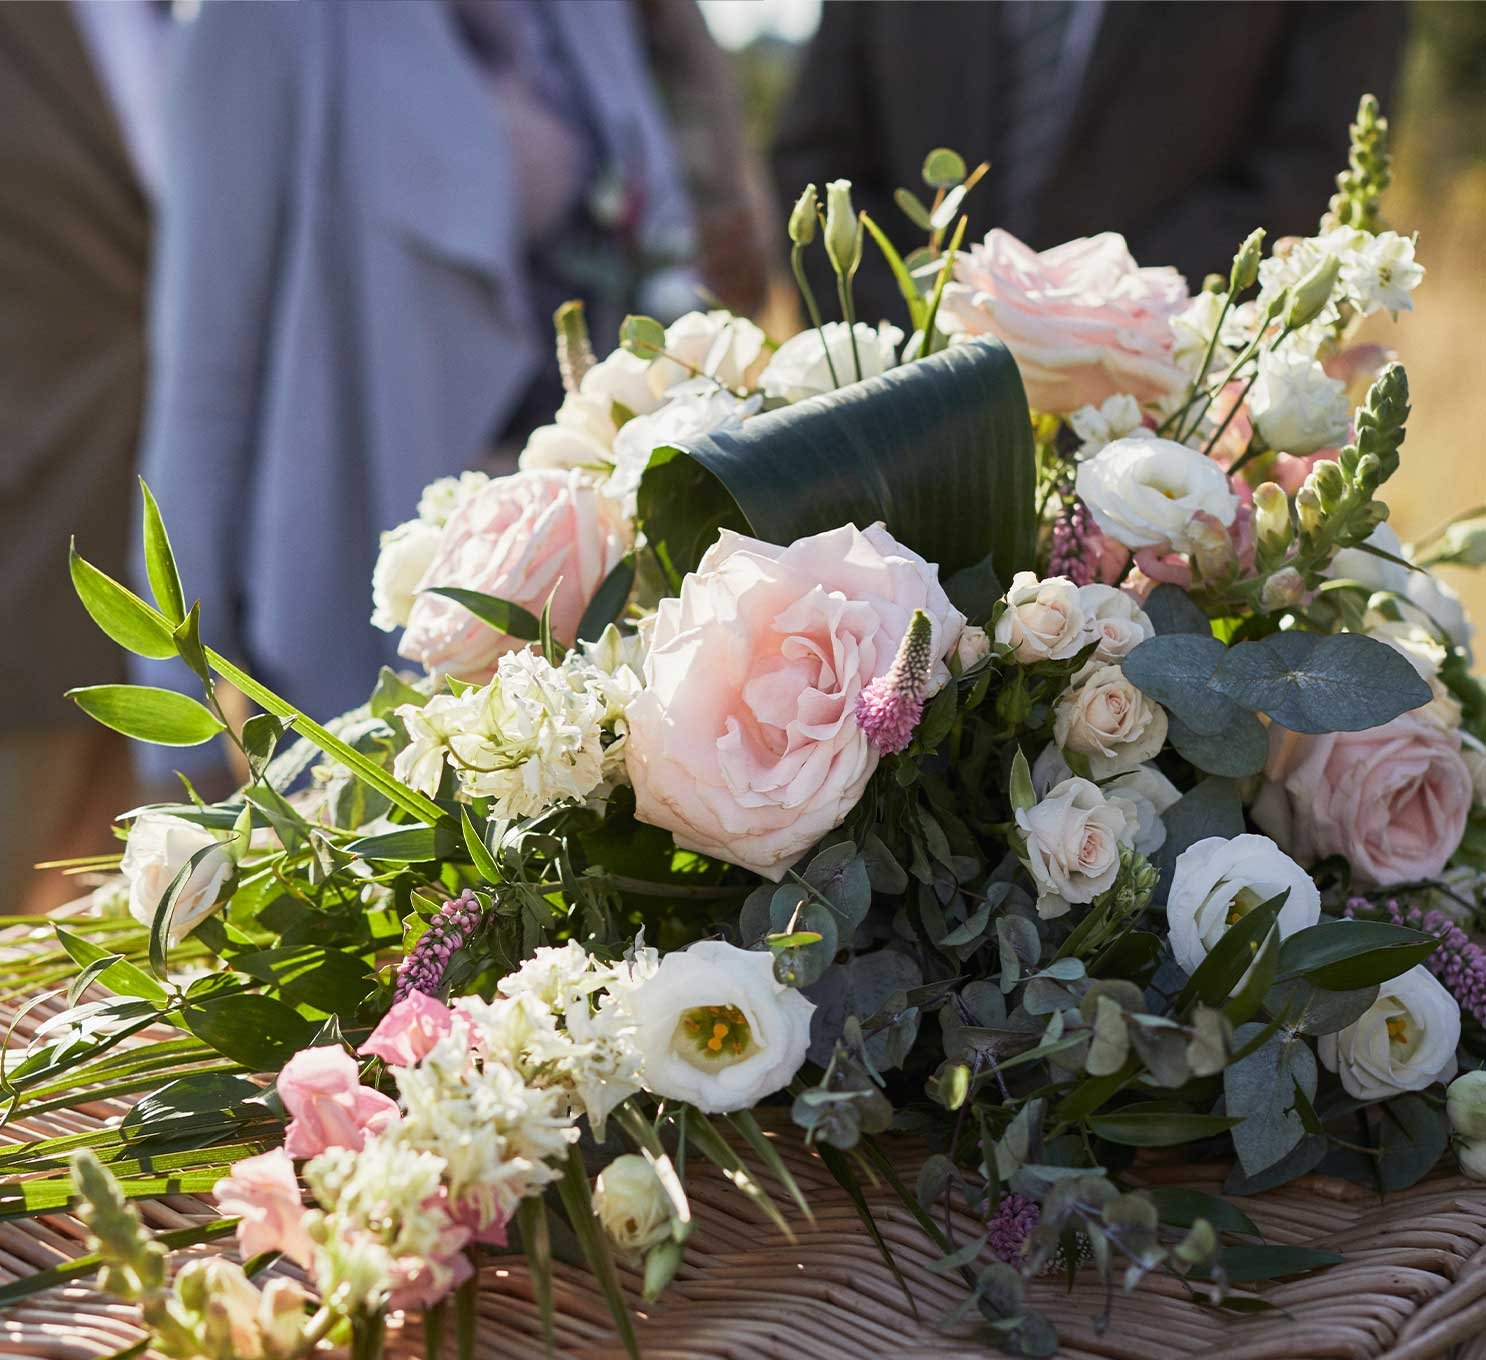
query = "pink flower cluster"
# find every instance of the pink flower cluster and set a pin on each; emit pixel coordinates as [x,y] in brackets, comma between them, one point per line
[327,1105]
[1080,552]
[451,928]
[1010,1226]
[1459,963]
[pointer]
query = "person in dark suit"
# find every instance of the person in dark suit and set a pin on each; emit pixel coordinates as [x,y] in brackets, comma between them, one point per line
[1181,126]
[76,156]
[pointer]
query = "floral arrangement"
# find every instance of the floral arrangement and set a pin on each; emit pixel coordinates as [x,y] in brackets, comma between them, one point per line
[817,724]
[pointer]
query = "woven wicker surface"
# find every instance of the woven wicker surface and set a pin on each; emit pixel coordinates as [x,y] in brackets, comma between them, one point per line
[1412,1287]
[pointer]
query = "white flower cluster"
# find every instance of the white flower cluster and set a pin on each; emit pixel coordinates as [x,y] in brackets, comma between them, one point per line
[536,735]
[1377,273]
[408,550]
[1116,417]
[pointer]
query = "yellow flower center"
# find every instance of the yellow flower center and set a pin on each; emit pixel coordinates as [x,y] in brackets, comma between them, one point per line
[713,1035]
[1398,1030]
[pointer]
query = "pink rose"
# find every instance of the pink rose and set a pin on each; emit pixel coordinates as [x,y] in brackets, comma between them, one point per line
[409,1030]
[1393,799]
[1083,321]
[517,539]
[328,1105]
[263,1194]
[744,743]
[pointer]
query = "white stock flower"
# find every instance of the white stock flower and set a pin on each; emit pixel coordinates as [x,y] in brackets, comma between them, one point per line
[632,1204]
[799,368]
[1073,839]
[1143,493]
[1115,621]
[1218,881]
[406,554]
[715,1029]
[694,410]
[443,497]
[1296,408]
[1043,620]
[1109,720]
[1116,417]
[1405,1040]
[158,848]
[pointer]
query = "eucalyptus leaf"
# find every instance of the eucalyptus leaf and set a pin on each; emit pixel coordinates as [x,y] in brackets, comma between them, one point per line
[1171,610]
[1176,669]
[1259,1091]
[1236,752]
[1140,1126]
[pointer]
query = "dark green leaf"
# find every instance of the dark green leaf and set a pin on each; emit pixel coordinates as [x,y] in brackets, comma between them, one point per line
[974,590]
[1236,752]
[260,1033]
[391,692]
[940,450]
[608,600]
[501,615]
[1137,1126]
[160,716]
[187,637]
[1214,979]
[1308,682]
[1412,1137]
[1179,1208]
[328,980]
[160,925]
[1170,610]
[408,845]
[1245,1263]
[119,612]
[1348,955]
[912,208]
[573,1189]
[1314,1010]
[120,977]
[536,1242]
[479,852]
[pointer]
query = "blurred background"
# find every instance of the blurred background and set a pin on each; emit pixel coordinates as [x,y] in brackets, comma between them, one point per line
[296,261]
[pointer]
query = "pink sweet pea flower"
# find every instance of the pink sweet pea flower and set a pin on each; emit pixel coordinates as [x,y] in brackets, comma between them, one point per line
[327,1105]
[264,1195]
[409,1030]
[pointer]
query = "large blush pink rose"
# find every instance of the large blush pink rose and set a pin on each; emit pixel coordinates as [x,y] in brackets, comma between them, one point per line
[1083,321]
[744,744]
[327,1105]
[264,1196]
[1393,799]
[518,538]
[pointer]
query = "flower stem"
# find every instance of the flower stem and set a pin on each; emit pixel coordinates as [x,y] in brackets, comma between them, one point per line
[797,263]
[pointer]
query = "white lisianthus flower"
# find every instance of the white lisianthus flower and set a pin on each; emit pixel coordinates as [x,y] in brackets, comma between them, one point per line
[693,409]
[1043,620]
[1218,881]
[716,344]
[1296,408]
[1143,493]
[1115,620]
[1107,719]
[623,380]
[799,368]
[157,850]
[1073,839]
[581,436]
[1116,417]
[405,556]
[443,497]
[632,1204]
[715,1028]
[1404,1042]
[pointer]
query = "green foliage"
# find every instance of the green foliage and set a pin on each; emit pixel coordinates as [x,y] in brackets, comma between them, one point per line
[159,716]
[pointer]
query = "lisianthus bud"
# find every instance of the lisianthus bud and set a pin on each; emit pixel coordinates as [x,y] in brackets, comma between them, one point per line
[1214,283]
[1246,263]
[661,1264]
[1465,1103]
[1272,517]
[1472,1159]
[1210,546]
[1308,510]
[843,229]
[802,222]
[1312,292]
[632,1204]
[1283,590]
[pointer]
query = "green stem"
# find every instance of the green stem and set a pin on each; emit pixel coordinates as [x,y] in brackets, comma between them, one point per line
[848,311]
[797,263]
[932,315]
[1212,345]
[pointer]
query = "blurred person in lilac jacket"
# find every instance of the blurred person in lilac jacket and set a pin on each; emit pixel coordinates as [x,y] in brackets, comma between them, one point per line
[372,212]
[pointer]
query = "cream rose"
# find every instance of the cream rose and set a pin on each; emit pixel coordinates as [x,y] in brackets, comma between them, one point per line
[799,368]
[744,743]
[522,538]
[1083,321]
[1218,881]
[1405,1040]
[1116,621]
[1143,493]
[1043,620]
[1149,793]
[1073,838]
[406,552]
[157,850]
[1107,719]
[714,1028]
[973,647]
[1393,799]
[632,1204]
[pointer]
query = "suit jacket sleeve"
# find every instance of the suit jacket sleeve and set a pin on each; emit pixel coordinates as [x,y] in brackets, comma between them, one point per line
[1332,54]
[218,254]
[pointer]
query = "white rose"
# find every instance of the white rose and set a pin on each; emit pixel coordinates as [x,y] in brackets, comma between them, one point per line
[1218,881]
[1143,493]
[1073,838]
[1115,619]
[1043,620]
[156,851]
[1151,794]
[632,1204]
[1404,1042]
[799,368]
[622,379]
[715,1029]
[1110,721]
[581,436]
[718,344]
[973,647]
[693,411]
[1296,407]
[406,553]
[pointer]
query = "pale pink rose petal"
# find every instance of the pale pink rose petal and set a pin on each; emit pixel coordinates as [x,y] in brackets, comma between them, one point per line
[328,1105]
[263,1195]
[409,1030]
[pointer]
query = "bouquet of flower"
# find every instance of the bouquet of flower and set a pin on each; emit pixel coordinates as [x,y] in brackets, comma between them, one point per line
[817,724]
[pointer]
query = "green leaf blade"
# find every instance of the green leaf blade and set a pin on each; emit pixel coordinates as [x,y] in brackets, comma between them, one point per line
[159,716]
